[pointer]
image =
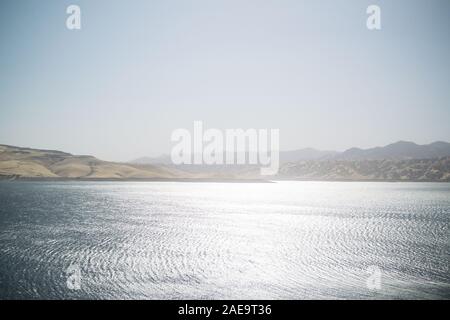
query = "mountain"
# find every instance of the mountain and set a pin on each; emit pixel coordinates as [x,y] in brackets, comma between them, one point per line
[305,154]
[163,159]
[401,150]
[437,169]
[285,156]
[17,162]
[400,161]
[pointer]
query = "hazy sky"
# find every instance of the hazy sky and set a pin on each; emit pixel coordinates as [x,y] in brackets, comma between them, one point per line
[137,70]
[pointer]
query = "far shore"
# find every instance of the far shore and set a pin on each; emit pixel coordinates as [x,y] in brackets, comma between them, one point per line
[227,180]
[199,180]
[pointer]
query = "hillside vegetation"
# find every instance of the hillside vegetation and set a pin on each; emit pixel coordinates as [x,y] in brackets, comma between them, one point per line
[383,170]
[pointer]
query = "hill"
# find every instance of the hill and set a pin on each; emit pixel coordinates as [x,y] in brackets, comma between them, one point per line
[401,161]
[369,170]
[17,162]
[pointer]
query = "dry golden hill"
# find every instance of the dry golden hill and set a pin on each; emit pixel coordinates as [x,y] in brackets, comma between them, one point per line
[16,162]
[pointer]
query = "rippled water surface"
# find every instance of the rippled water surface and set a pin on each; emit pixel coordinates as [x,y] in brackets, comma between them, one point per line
[176,240]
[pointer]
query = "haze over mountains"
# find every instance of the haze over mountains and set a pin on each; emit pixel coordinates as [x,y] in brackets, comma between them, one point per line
[435,169]
[401,150]
[400,161]
[285,156]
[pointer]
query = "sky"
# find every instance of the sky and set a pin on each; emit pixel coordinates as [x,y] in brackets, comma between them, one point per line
[137,70]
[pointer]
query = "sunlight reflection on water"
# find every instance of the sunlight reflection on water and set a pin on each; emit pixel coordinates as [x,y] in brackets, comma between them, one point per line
[173,240]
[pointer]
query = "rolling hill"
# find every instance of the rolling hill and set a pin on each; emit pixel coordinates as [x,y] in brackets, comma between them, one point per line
[17,162]
[437,169]
[401,161]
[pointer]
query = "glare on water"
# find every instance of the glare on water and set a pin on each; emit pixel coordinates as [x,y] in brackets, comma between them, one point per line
[173,240]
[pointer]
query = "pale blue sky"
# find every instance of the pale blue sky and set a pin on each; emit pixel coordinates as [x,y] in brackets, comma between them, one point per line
[139,69]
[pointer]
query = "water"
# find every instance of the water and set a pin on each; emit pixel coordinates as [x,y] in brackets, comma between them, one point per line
[175,240]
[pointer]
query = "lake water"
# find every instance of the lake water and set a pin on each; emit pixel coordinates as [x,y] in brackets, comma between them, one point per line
[180,240]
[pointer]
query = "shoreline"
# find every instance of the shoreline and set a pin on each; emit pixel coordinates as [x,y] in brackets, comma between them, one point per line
[221,180]
[200,180]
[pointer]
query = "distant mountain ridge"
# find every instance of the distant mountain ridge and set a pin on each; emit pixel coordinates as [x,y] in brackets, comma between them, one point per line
[305,154]
[163,159]
[400,161]
[285,156]
[437,169]
[401,150]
